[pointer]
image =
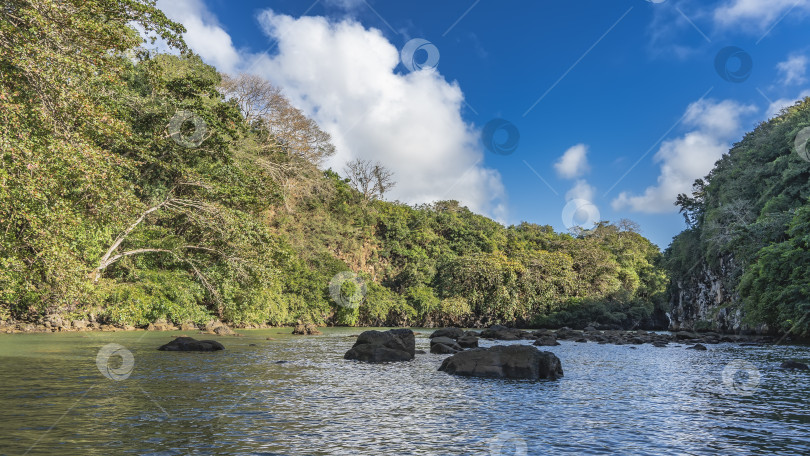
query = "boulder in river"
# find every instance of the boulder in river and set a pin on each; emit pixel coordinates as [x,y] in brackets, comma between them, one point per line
[794,365]
[697,347]
[453,333]
[468,340]
[383,346]
[442,349]
[191,344]
[546,341]
[504,361]
[499,332]
[307,329]
[447,342]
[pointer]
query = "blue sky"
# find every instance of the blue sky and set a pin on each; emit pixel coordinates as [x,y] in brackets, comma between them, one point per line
[631,92]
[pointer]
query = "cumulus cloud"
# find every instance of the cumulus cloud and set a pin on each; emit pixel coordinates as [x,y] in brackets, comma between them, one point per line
[343,76]
[573,163]
[793,70]
[714,125]
[757,13]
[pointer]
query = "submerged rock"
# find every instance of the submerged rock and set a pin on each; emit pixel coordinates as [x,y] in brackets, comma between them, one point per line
[794,365]
[383,346]
[697,347]
[191,344]
[504,361]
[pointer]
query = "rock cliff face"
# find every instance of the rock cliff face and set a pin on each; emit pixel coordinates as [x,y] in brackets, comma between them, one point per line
[707,300]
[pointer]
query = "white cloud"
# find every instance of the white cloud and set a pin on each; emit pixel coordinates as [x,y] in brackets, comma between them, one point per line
[778,105]
[793,70]
[581,190]
[343,76]
[573,163]
[757,13]
[714,125]
[203,34]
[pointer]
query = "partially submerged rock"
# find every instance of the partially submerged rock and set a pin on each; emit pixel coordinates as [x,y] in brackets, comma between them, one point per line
[191,344]
[546,341]
[383,346]
[504,361]
[697,347]
[794,365]
[307,329]
[498,332]
[453,333]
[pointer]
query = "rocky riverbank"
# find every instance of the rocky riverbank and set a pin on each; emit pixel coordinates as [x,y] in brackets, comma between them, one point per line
[59,324]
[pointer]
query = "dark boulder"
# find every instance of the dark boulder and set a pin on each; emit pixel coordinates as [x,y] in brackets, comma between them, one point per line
[498,332]
[504,361]
[794,365]
[453,333]
[697,347]
[447,342]
[442,349]
[546,341]
[468,340]
[383,346]
[191,344]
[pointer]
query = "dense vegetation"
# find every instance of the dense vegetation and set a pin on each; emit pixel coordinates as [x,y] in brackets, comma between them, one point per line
[139,187]
[751,214]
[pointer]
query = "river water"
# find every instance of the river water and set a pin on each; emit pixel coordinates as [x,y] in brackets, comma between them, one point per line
[296,395]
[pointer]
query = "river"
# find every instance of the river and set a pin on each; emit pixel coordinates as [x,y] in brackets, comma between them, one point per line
[296,395]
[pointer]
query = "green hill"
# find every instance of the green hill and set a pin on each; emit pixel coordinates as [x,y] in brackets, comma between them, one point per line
[743,263]
[139,187]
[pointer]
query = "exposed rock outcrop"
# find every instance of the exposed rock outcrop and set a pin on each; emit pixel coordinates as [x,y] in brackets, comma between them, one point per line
[383,346]
[190,344]
[504,361]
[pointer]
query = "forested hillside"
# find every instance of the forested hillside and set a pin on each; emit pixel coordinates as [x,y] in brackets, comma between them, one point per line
[745,260]
[137,187]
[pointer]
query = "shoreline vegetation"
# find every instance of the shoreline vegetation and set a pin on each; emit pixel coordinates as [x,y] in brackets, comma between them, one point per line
[141,188]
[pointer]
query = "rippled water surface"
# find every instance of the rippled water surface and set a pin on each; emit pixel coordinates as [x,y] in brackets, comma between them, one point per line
[612,400]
